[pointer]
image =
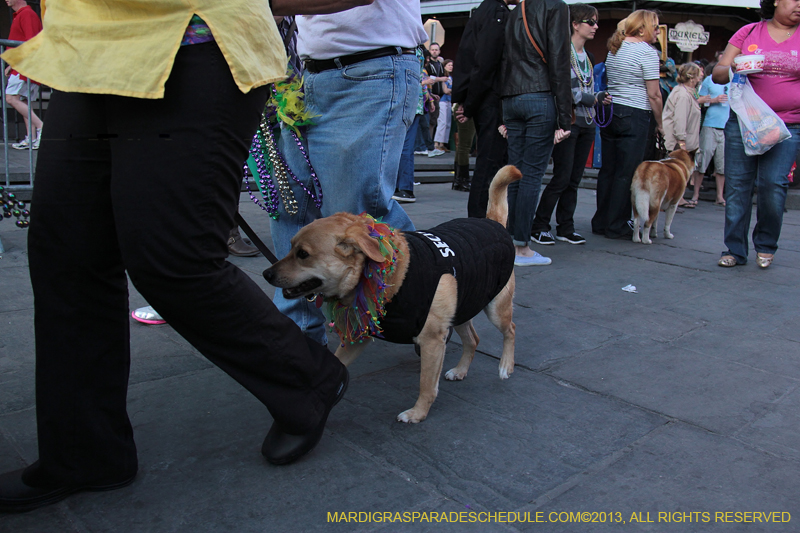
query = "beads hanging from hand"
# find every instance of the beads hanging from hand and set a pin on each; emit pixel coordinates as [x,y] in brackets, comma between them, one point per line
[13,208]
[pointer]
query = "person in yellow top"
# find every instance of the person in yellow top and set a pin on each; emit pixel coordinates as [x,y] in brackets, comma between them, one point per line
[139,171]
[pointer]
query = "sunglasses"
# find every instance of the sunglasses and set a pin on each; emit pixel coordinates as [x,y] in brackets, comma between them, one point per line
[590,22]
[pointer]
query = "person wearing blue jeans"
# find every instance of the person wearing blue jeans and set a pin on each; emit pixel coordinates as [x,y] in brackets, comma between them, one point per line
[363,102]
[770,173]
[405,174]
[531,121]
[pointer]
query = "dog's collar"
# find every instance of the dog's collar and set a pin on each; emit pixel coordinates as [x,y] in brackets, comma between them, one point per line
[360,320]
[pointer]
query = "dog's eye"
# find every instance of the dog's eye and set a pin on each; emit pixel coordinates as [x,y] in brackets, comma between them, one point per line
[302,254]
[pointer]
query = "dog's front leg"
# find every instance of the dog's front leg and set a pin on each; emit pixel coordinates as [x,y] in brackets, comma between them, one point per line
[431,341]
[350,352]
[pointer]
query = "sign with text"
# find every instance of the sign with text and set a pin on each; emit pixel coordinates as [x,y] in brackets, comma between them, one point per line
[688,36]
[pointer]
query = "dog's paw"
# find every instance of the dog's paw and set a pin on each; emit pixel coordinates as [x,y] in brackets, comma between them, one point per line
[668,235]
[411,417]
[454,375]
[505,373]
[636,238]
[646,240]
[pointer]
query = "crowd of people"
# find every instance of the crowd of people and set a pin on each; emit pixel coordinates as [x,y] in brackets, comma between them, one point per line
[521,81]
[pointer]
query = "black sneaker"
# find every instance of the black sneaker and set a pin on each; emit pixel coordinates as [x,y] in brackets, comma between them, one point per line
[572,238]
[543,237]
[404,196]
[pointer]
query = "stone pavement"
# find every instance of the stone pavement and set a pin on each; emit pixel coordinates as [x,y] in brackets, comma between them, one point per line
[675,403]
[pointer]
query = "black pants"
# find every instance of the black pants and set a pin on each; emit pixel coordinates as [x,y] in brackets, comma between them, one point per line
[623,146]
[150,187]
[561,194]
[492,155]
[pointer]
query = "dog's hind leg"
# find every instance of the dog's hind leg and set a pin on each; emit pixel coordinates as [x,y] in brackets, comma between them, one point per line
[500,312]
[431,342]
[470,341]
[668,222]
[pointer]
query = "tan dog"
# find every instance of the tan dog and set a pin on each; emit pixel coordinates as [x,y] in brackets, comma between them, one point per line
[431,284]
[659,185]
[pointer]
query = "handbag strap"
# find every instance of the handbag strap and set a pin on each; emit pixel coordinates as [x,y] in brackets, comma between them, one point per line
[528,31]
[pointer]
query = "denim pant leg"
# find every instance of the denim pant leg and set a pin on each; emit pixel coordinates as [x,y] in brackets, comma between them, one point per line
[531,123]
[773,185]
[302,312]
[740,178]
[364,112]
[405,175]
[424,141]
[604,179]
[565,210]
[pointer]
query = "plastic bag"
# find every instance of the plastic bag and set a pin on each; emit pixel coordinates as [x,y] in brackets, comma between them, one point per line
[761,128]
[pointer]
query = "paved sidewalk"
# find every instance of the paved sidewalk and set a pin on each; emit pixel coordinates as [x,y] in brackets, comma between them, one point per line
[677,402]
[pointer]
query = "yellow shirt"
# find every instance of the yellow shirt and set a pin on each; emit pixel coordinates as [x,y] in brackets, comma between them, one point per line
[127,47]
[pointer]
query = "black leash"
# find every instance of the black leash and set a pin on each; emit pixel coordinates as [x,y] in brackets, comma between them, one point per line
[256,240]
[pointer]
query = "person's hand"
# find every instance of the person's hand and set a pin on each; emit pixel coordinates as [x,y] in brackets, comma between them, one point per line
[503,131]
[721,99]
[8,69]
[607,99]
[661,130]
[459,114]
[561,135]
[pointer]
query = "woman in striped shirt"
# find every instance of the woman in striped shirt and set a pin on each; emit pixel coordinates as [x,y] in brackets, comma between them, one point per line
[632,70]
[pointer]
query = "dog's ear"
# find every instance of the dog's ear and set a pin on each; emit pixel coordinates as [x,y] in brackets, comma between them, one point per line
[358,237]
[693,153]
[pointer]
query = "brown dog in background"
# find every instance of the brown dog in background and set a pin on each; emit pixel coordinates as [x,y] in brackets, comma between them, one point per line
[659,185]
[329,256]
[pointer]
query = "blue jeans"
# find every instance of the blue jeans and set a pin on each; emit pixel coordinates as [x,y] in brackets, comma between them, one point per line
[423,139]
[623,148]
[363,112]
[405,175]
[769,172]
[531,123]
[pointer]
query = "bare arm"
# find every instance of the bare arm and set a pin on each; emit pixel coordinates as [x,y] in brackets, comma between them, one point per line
[654,95]
[314,7]
[720,73]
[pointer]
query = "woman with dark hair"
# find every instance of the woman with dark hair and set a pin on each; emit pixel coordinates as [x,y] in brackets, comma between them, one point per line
[570,154]
[632,70]
[776,37]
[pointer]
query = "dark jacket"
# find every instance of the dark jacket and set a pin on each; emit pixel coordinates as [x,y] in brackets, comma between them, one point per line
[476,71]
[523,70]
[480,254]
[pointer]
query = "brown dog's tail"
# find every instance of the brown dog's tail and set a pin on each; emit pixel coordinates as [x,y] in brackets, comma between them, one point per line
[498,193]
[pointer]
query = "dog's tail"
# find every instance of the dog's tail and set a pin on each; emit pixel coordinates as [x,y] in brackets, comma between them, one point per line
[498,193]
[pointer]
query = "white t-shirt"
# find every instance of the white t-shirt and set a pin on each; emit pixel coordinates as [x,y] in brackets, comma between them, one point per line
[627,71]
[382,23]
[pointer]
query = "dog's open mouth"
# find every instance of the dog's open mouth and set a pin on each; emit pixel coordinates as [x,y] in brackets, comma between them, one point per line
[302,289]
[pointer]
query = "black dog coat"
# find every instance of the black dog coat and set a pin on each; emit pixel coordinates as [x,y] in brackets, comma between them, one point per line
[478,252]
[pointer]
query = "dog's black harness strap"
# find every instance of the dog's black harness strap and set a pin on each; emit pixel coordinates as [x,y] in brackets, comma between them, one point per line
[256,240]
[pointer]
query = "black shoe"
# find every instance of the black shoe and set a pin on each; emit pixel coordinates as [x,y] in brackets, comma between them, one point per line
[543,237]
[241,247]
[18,497]
[572,238]
[404,196]
[281,448]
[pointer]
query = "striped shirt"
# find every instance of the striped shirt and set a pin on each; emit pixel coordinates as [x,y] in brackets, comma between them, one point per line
[627,71]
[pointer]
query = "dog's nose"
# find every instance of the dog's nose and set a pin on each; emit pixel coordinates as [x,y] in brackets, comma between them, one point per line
[269,275]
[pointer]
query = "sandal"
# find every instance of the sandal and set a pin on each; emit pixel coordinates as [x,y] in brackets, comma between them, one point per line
[727,261]
[764,261]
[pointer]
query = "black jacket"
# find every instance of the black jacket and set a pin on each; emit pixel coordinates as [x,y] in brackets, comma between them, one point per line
[523,70]
[476,72]
[480,254]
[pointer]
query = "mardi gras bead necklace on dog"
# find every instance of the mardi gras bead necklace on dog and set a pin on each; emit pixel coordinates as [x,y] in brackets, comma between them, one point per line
[361,319]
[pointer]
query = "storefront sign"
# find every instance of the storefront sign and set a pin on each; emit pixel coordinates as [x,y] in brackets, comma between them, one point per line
[688,36]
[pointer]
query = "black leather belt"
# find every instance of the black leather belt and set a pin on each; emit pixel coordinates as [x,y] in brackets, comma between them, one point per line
[318,65]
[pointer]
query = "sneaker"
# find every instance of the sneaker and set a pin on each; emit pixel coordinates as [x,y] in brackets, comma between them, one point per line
[543,237]
[404,196]
[38,139]
[22,145]
[421,152]
[435,152]
[572,238]
[148,315]
[536,259]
